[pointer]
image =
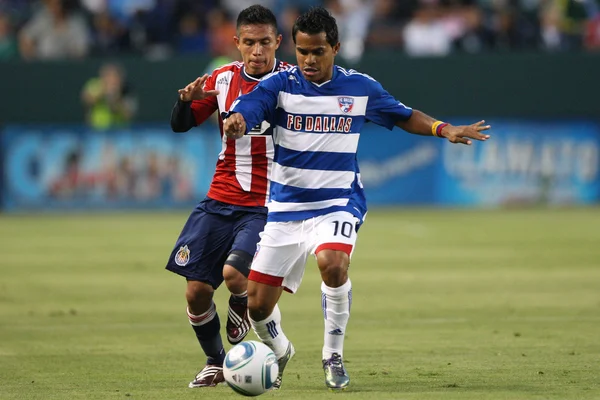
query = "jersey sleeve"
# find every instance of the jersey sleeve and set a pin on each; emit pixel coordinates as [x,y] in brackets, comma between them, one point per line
[260,104]
[202,109]
[382,108]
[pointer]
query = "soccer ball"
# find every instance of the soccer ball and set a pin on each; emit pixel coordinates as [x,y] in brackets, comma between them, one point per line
[250,368]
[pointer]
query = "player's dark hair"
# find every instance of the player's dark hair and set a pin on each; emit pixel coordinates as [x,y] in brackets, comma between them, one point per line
[315,21]
[256,15]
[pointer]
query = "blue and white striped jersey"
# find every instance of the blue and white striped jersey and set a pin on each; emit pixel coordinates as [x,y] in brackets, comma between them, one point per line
[316,131]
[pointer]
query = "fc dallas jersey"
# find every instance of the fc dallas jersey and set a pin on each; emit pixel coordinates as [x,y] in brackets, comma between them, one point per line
[244,165]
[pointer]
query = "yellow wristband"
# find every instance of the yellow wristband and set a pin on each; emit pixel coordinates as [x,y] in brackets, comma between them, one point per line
[434,127]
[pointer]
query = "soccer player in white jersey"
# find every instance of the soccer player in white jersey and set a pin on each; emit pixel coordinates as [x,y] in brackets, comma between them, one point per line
[219,238]
[317,201]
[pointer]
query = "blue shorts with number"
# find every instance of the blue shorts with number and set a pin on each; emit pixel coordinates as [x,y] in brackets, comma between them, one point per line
[212,231]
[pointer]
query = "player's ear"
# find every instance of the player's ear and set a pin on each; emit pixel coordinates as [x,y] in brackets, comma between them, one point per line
[278,41]
[236,40]
[336,49]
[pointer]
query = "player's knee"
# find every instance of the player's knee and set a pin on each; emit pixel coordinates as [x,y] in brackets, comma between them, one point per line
[333,266]
[259,307]
[236,281]
[332,260]
[258,310]
[199,296]
[231,274]
[236,270]
[239,261]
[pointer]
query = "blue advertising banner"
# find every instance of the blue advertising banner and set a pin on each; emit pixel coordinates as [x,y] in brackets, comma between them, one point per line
[76,168]
[524,163]
[73,168]
[398,168]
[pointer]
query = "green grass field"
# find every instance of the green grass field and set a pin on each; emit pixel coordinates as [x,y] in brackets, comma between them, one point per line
[448,304]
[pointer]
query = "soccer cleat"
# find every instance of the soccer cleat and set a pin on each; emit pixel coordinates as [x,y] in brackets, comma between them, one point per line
[238,324]
[282,362]
[336,377]
[210,376]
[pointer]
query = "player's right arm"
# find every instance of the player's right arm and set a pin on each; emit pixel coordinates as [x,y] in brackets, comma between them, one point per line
[196,103]
[383,109]
[420,123]
[251,109]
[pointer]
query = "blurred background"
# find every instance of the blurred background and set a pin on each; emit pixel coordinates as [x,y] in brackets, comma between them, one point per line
[87,88]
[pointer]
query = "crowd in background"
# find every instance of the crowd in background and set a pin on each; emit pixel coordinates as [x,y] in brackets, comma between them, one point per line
[58,29]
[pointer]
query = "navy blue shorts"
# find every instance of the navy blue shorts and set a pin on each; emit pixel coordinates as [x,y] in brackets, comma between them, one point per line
[212,231]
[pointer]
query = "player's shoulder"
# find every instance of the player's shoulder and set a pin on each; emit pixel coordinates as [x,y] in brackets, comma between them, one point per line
[284,66]
[354,75]
[238,66]
[282,73]
[357,82]
[234,66]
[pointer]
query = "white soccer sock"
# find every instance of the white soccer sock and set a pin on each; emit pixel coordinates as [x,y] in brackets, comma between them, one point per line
[336,304]
[270,333]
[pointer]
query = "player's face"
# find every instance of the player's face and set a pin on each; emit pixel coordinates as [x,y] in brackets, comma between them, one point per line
[315,56]
[257,44]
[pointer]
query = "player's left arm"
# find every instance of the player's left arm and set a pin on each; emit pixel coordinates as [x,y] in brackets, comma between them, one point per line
[383,109]
[420,123]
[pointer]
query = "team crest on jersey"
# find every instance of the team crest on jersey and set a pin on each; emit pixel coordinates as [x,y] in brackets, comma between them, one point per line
[182,257]
[346,104]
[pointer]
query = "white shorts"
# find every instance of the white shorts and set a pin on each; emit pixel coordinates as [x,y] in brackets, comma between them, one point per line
[284,247]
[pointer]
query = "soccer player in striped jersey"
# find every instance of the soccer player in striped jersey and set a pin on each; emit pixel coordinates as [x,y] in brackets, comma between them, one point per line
[219,238]
[317,201]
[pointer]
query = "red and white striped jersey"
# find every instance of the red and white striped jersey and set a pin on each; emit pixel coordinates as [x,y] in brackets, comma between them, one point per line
[243,168]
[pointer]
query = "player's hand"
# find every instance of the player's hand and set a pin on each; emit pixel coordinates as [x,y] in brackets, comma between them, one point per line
[463,133]
[234,127]
[195,90]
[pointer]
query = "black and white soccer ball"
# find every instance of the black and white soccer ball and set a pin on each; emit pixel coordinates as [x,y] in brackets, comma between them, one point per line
[250,368]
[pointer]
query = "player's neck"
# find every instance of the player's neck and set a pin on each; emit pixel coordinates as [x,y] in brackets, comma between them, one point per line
[327,78]
[259,76]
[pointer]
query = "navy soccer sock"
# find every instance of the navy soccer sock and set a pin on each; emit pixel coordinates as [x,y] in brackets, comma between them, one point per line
[207,327]
[241,298]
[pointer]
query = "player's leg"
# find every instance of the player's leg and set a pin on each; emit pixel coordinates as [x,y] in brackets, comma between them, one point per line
[336,299]
[265,317]
[238,324]
[198,256]
[336,237]
[246,233]
[279,255]
[203,317]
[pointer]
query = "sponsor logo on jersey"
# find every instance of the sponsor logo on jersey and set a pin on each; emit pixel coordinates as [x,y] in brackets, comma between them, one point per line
[319,123]
[346,104]
[182,257]
[223,81]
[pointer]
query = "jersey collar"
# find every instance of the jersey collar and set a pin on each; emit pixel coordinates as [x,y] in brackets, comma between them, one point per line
[335,72]
[251,78]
